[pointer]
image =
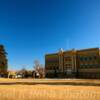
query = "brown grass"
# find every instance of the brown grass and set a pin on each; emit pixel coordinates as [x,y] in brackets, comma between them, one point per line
[47,92]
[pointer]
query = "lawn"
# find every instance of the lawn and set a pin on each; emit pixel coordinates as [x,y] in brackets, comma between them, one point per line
[40,90]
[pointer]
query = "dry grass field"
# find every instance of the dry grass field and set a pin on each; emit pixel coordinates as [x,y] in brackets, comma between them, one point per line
[20,89]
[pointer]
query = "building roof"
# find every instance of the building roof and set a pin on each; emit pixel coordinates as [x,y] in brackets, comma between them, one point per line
[51,54]
[88,49]
[73,50]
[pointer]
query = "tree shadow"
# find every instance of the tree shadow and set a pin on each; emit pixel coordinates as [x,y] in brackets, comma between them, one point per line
[53,83]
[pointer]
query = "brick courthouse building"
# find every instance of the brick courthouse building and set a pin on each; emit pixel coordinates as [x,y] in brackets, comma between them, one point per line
[73,64]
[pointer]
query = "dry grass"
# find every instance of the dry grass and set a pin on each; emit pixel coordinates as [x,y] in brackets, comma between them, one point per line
[47,92]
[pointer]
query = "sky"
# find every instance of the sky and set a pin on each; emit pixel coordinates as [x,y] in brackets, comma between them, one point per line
[29,29]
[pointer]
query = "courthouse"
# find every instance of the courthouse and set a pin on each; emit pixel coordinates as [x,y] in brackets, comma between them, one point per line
[83,63]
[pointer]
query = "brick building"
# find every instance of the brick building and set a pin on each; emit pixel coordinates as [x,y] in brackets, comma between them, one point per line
[73,64]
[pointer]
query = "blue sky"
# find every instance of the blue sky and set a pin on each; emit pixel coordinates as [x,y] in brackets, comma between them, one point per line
[31,28]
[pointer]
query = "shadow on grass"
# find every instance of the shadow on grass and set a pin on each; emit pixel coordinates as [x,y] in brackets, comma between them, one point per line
[53,83]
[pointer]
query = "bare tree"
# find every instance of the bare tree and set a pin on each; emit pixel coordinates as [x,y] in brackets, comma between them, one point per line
[36,65]
[39,68]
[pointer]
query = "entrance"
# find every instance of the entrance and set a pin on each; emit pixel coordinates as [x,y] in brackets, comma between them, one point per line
[69,73]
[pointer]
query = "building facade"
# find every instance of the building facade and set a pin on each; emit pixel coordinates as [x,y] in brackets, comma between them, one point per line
[3,61]
[73,64]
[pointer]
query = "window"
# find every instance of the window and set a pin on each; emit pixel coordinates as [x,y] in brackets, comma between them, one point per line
[67,58]
[81,66]
[85,58]
[56,67]
[81,58]
[90,65]
[95,57]
[90,58]
[85,66]
[97,65]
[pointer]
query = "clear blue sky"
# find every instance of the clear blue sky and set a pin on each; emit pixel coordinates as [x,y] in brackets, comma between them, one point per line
[31,28]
